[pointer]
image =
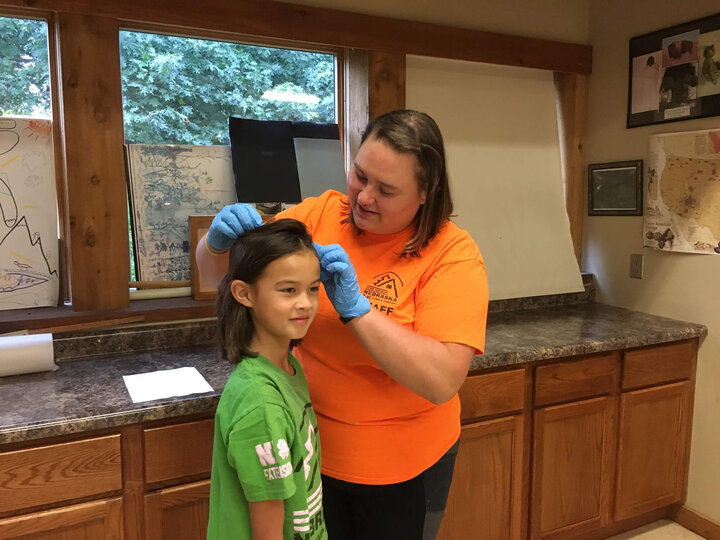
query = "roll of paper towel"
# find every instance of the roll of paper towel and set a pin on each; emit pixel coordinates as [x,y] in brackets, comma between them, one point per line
[26,354]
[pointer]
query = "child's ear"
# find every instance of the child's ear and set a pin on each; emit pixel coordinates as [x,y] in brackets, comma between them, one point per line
[241,292]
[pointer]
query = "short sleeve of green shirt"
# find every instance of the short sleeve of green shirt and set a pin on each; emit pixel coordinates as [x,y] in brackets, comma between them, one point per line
[259,450]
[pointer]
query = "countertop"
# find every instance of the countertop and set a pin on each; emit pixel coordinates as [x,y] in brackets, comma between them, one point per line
[89,394]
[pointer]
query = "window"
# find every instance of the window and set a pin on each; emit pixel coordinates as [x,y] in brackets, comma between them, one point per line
[181,91]
[29,231]
[24,68]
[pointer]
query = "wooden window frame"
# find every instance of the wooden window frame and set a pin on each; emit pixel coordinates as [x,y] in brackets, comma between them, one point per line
[99,297]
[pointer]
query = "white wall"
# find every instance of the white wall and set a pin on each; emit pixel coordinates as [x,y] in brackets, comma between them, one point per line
[681,286]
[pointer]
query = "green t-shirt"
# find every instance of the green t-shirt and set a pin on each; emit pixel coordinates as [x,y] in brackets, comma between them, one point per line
[266,447]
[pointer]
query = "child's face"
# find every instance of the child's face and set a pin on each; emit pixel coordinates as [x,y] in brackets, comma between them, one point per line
[285,297]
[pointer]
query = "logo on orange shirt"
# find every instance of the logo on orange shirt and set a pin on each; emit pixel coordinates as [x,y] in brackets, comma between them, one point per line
[383,291]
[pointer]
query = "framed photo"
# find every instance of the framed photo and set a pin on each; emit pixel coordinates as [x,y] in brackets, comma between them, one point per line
[675,73]
[615,189]
[199,225]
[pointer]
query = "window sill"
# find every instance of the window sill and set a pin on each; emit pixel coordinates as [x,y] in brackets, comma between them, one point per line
[63,319]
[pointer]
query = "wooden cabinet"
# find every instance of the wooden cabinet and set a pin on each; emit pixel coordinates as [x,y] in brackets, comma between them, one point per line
[485,501]
[606,437]
[573,450]
[143,482]
[654,428]
[486,496]
[573,445]
[652,452]
[618,456]
[97,520]
[59,473]
[55,475]
[163,461]
[178,512]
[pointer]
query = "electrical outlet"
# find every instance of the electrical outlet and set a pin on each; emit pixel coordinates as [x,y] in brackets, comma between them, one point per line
[637,265]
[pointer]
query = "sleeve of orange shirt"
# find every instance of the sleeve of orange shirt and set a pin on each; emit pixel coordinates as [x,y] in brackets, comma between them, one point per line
[451,305]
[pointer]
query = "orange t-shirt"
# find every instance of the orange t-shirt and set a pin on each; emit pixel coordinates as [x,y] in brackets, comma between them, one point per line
[372,429]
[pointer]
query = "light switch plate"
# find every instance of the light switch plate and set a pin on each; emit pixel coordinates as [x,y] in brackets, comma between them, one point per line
[637,265]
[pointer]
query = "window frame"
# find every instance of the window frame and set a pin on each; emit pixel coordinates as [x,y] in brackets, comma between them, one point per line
[167,289]
[58,149]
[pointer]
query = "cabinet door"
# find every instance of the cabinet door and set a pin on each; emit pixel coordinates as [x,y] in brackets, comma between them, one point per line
[652,448]
[485,501]
[573,468]
[178,513]
[97,520]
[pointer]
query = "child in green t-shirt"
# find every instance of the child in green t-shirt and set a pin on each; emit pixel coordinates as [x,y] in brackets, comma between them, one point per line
[266,457]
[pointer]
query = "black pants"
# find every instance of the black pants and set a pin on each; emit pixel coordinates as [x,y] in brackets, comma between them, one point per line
[410,510]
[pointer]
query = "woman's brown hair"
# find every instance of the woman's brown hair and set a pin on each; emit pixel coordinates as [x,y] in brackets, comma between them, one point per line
[413,132]
[251,253]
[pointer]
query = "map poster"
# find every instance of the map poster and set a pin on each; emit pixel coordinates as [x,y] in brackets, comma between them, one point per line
[682,208]
[169,183]
[28,208]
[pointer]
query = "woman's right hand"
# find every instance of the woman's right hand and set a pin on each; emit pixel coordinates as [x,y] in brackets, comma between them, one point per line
[231,222]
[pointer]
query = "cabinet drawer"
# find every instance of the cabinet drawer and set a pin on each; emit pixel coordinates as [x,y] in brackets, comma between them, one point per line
[59,472]
[492,393]
[577,379]
[177,451]
[656,365]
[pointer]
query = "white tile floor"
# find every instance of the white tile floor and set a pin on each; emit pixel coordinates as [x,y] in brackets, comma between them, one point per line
[659,530]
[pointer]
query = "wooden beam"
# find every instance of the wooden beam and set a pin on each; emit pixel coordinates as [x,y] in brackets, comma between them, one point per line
[264,18]
[92,129]
[150,311]
[356,101]
[572,99]
[386,82]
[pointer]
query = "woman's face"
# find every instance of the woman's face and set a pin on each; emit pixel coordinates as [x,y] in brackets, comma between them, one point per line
[383,189]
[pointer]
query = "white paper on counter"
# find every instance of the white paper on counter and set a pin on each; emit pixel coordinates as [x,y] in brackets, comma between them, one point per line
[166,383]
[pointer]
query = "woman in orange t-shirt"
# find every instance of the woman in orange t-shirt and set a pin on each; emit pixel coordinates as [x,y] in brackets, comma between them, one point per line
[403,314]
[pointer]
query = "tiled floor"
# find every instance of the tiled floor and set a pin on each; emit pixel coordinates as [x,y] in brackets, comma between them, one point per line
[659,530]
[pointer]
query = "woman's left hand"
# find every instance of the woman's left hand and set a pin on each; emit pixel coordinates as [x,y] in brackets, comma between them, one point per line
[340,281]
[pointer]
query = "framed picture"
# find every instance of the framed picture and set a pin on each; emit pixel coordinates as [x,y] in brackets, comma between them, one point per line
[615,189]
[167,184]
[199,225]
[675,73]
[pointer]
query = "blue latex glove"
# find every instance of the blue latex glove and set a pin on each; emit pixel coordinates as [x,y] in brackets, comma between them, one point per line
[231,222]
[340,281]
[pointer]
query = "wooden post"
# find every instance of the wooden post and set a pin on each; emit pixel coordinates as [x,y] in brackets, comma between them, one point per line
[386,82]
[92,133]
[356,101]
[572,97]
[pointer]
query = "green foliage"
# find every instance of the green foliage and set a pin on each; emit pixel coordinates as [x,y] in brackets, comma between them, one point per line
[176,90]
[24,71]
[182,91]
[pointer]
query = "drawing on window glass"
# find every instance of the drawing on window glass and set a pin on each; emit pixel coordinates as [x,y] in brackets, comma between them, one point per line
[167,185]
[28,228]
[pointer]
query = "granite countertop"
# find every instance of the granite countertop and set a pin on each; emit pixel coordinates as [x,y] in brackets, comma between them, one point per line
[516,337]
[89,394]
